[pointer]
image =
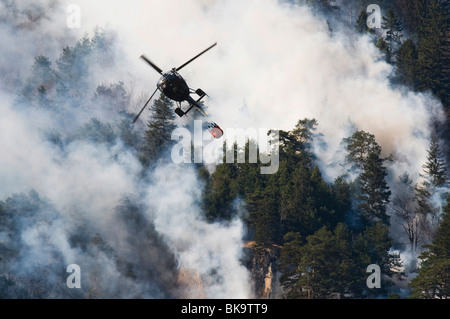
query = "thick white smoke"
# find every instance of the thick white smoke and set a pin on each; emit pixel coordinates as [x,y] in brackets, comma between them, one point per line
[275,63]
[213,252]
[85,183]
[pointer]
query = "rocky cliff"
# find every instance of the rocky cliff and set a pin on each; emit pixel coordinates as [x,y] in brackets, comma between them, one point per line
[262,265]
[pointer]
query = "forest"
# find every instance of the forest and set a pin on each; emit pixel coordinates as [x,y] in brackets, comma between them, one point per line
[321,235]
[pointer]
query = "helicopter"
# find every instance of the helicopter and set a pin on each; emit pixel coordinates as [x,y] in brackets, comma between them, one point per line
[175,88]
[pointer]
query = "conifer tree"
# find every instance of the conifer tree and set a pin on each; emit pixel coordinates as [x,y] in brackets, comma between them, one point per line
[159,130]
[374,195]
[372,246]
[361,23]
[290,257]
[434,176]
[321,267]
[434,167]
[384,47]
[264,215]
[406,64]
[393,28]
[433,280]
[221,192]
[408,10]
[374,190]
[433,67]
[41,80]
[359,146]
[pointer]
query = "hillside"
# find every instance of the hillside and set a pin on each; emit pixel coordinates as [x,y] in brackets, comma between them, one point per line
[335,154]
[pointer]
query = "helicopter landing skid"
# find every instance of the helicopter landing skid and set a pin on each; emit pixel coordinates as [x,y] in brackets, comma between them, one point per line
[192,103]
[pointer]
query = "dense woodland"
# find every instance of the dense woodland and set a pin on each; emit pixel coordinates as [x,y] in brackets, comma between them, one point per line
[326,233]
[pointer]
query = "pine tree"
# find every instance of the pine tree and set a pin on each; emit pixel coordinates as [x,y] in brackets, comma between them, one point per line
[393,28]
[434,167]
[433,70]
[113,97]
[361,23]
[264,215]
[426,211]
[290,256]
[434,176]
[323,267]
[384,47]
[74,65]
[295,145]
[409,11]
[159,130]
[249,177]
[372,246]
[375,193]
[41,80]
[433,280]
[299,207]
[365,153]
[221,192]
[406,64]
[304,132]
[96,132]
[346,276]
[316,264]
[359,146]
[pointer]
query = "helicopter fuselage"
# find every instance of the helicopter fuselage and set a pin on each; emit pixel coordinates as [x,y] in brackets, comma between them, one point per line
[174,86]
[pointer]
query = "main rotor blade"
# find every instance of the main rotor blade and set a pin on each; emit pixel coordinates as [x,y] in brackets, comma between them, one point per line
[153,65]
[139,114]
[182,66]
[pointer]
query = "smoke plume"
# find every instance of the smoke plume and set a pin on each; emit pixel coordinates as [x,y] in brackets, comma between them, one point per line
[86,201]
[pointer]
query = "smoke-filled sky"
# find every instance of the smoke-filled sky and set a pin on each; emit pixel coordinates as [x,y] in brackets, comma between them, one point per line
[275,63]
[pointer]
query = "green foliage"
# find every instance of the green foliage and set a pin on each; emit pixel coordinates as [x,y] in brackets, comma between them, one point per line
[264,216]
[220,193]
[307,202]
[19,214]
[409,11]
[332,264]
[434,176]
[435,168]
[42,79]
[322,256]
[321,267]
[407,63]
[113,97]
[375,193]
[433,49]
[384,47]
[433,280]
[159,130]
[364,152]
[295,199]
[290,257]
[378,244]
[393,28]
[74,63]
[95,132]
[359,146]
[361,23]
